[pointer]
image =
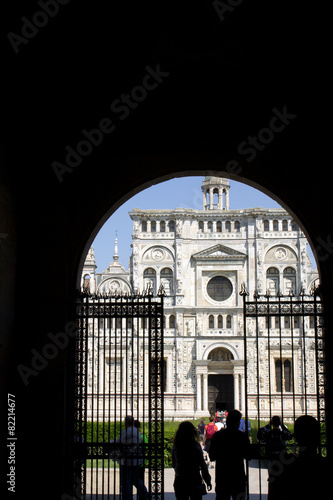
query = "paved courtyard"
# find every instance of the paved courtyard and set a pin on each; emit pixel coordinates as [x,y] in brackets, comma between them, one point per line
[257,476]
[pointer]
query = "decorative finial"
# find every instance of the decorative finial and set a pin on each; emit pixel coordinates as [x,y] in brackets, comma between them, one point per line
[116,256]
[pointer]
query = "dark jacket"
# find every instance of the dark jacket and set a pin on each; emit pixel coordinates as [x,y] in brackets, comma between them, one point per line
[229,448]
[188,464]
[274,439]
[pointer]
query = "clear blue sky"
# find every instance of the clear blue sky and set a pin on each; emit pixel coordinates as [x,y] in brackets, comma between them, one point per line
[182,192]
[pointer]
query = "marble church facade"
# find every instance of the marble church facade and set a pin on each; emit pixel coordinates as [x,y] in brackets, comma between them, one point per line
[201,257]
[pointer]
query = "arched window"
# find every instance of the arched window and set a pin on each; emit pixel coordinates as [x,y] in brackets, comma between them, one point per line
[166,271]
[162,226]
[228,226]
[287,375]
[272,280]
[211,321]
[153,226]
[210,226]
[285,225]
[86,283]
[144,226]
[219,227]
[289,279]
[201,227]
[294,226]
[167,280]
[266,225]
[237,226]
[220,354]
[220,321]
[171,226]
[229,322]
[275,225]
[215,198]
[172,321]
[283,375]
[149,279]
[278,375]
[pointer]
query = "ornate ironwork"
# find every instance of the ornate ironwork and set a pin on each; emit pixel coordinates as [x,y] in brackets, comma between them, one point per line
[118,366]
[284,353]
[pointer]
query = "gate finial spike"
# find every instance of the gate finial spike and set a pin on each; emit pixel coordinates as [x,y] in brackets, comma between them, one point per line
[243,291]
[161,291]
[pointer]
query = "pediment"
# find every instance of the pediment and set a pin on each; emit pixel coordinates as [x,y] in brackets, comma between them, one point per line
[219,252]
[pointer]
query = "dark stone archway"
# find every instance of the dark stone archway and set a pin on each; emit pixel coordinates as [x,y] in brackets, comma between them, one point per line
[221,81]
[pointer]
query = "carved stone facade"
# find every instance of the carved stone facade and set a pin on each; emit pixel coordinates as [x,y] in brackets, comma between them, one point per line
[201,257]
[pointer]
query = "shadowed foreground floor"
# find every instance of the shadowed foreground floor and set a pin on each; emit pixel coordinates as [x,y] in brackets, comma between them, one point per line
[257,476]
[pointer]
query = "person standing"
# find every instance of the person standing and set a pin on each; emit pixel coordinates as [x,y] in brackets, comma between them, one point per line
[219,424]
[201,431]
[306,474]
[210,430]
[228,448]
[131,461]
[144,441]
[189,464]
[274,436]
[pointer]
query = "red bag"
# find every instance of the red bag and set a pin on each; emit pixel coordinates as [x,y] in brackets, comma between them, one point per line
[210,430]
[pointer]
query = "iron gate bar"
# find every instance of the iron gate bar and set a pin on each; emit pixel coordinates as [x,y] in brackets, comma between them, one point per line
[273,307]
[131,344]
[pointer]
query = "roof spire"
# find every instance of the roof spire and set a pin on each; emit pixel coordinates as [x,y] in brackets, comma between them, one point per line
[116,256]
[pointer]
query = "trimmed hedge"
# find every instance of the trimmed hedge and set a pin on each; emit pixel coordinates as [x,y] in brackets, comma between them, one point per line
[105,432]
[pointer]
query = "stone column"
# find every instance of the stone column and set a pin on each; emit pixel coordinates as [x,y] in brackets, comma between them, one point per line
[199,407]
[227,199]
[243,393]
[220,204]
[236,391]
[205,392]
[211,198]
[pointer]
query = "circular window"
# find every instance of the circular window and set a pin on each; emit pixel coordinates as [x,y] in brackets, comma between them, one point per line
[219,288]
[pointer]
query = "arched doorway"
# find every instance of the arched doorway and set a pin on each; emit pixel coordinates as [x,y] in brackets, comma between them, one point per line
[221,395]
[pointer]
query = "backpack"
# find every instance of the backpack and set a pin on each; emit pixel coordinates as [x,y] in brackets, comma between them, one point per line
[274,443]
[211,429]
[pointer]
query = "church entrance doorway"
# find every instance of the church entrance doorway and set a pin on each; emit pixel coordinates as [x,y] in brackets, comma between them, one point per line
[220,393]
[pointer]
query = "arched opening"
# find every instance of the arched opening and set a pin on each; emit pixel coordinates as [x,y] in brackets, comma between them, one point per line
[216,383]
[220,354]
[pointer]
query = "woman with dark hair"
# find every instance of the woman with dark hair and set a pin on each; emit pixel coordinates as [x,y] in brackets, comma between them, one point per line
[189,464]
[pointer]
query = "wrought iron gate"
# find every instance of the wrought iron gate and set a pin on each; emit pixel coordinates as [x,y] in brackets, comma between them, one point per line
[118,372]
[285,371]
